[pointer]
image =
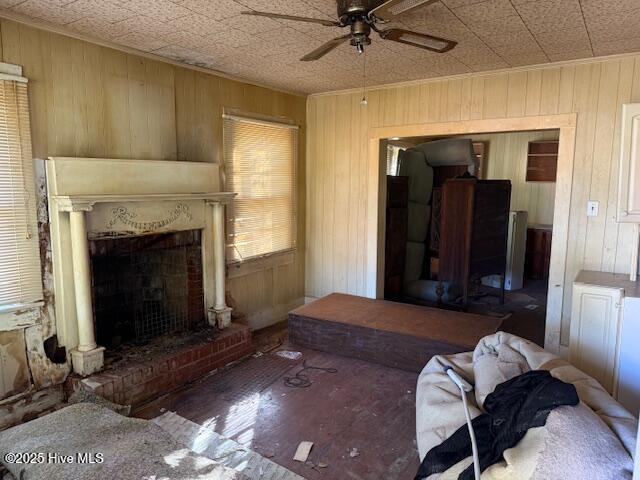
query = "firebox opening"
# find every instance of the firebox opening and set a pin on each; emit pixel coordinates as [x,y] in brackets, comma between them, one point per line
[147,286]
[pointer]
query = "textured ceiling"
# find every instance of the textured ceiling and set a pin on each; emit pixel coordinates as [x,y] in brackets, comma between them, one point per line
[492,34]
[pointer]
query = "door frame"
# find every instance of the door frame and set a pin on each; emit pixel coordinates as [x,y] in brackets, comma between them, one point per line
[376,199]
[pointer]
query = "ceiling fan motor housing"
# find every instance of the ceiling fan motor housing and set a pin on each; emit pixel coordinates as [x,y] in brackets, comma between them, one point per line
[350,10]
[360,31]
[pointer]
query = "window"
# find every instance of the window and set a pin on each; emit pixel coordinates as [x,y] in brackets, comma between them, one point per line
[20,278]
[260,166]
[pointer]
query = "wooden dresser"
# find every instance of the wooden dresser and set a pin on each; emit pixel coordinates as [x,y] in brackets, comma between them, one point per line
[474,225]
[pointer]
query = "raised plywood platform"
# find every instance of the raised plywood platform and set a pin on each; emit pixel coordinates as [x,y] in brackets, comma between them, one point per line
[389,333]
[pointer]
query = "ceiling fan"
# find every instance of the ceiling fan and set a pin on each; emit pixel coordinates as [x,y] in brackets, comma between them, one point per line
[362,16]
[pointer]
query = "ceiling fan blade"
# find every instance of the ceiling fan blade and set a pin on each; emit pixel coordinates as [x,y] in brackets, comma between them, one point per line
[420,40]
[326,48]
[327,23]
[392,8]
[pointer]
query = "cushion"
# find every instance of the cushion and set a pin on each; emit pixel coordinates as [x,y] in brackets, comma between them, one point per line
[419,218]
[414,261]
[414,165]
[493,365]
[597,437]
[448,151]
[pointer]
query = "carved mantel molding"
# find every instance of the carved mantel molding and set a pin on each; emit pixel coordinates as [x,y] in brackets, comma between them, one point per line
[130,218]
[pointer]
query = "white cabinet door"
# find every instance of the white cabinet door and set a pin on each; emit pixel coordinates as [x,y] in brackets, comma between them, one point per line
[629,181]
[629,357]
[595,332]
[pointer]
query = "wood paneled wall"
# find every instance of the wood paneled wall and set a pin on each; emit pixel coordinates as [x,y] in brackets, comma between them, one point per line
[92,101]
[337,158]
[506,158]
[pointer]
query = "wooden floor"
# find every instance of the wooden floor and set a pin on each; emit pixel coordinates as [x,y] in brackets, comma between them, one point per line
[367,407]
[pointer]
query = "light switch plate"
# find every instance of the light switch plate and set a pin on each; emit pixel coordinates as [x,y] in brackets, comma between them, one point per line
[592,208]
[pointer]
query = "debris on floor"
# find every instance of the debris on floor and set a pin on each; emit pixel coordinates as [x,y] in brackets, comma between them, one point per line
[303,451]
[531,307]
[289,354]
[301,380]
[354,453]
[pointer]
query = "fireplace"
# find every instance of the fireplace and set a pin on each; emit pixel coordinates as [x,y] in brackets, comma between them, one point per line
[147,286]
[137,252]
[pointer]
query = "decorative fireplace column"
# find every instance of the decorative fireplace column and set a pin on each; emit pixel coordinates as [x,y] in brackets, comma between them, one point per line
[87,357]
[221,311]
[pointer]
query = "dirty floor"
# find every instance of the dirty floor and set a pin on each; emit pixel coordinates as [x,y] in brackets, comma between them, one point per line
[527,309]
[361,418]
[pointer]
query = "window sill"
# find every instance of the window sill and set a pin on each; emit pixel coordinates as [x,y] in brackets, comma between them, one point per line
[254,265]
[17,316]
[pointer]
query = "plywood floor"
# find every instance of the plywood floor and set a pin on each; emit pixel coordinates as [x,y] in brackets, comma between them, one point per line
[363,406]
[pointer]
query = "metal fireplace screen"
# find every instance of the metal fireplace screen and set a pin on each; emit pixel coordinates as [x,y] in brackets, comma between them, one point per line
[148,286]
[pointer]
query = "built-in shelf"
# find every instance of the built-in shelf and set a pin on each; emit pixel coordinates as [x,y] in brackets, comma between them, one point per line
[542,161]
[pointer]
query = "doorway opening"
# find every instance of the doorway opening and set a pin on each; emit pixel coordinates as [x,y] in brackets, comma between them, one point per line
[469,224]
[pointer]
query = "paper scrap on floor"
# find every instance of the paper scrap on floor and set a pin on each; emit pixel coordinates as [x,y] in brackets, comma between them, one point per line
[302,453]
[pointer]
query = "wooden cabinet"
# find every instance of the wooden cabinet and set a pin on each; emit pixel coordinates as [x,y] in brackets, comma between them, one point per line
[542,161]
[595,331]
[538,252]
[396,236]
[629,171]
[474,225]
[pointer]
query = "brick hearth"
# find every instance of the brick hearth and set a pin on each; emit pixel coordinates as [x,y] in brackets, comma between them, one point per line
[134,383]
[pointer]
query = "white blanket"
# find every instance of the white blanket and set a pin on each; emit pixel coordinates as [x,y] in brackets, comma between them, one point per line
[594,440]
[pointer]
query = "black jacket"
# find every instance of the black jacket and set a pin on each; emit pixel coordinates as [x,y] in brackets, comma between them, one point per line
[512,408]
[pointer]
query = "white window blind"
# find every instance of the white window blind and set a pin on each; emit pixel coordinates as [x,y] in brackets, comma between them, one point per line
[20,277]
[260,166]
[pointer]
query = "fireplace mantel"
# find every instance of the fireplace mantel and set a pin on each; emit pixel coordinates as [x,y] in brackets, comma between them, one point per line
[99,198]
[71,201]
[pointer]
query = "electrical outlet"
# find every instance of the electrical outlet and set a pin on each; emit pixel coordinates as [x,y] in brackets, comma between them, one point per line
[592,208]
